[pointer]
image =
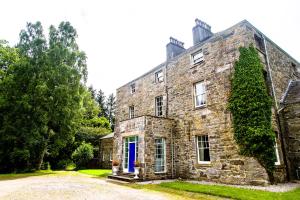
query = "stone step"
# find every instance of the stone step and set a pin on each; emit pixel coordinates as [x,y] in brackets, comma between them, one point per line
[123,178]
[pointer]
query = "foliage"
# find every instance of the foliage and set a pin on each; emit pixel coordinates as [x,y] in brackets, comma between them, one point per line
[66,164]
[111,107]
[40,95]
[83,154]
[250,106]
[96,172]
[100,99]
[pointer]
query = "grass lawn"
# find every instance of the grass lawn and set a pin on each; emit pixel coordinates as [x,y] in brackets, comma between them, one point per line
[96,172]
[224,191]
[13,176]
[184,195]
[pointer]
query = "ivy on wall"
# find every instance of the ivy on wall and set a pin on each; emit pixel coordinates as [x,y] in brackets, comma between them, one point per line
[250,106]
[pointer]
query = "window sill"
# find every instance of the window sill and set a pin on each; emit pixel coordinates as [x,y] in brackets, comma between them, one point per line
[203,164]
[196,64]
[200,107]
[164,172]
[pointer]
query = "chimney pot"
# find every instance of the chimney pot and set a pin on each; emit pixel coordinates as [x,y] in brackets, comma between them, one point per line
[201,31]
[174,48]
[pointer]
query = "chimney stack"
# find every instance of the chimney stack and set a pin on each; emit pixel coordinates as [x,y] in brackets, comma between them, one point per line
[201,31]
[174,48]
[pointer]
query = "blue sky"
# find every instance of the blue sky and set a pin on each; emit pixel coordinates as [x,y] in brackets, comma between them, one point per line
[124,39]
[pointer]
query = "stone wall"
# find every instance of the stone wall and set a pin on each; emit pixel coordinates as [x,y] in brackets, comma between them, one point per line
[158,127]
[213,119]
[291,114]
[105,153]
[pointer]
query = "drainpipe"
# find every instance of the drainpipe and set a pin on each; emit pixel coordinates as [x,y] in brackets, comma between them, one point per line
[167,114]
[276,109]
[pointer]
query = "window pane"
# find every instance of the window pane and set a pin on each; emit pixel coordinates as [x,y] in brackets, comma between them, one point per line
[203,148]
[159,155]
[200,94]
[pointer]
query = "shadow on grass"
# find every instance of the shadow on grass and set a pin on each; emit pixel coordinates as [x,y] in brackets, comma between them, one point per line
[96,173]
[14,176]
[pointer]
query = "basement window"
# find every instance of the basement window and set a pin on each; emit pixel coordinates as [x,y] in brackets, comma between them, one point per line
[203,149]
[159,76]
[197,57]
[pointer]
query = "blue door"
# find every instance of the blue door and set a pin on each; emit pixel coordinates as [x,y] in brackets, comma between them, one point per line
[131,157]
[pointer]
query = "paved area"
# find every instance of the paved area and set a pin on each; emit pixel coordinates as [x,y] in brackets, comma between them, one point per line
[75,187]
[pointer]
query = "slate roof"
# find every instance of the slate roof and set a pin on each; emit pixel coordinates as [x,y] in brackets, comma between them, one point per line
[292,93]
[110,135]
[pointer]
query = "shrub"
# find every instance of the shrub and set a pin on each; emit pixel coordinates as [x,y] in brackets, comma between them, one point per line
[250,105]
[46,166]
[66,164]
[83,154]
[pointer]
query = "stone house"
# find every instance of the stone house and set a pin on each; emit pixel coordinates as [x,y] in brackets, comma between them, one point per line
[174,118]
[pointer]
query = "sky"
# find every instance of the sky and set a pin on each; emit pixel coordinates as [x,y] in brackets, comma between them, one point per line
[123,39]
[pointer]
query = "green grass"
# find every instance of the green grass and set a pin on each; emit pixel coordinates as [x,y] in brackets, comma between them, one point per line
[96,172]
[13,176]
[231,192]
[180,194]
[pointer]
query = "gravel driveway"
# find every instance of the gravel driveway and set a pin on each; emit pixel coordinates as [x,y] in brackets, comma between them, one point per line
[72,186]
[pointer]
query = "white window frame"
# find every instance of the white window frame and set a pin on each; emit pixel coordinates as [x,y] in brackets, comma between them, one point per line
[132,88]
[159,76]
[203,94]
[277,153]
[110,155]
[198,154]
[157,106]
[197,57]
[131,112]
[164,155]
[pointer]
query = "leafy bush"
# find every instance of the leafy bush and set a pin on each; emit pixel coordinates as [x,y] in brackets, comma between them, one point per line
[251,106]
[83,154]
[46,166]
[66,164]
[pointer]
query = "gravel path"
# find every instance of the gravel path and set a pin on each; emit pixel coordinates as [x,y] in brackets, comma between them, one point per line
[75,187]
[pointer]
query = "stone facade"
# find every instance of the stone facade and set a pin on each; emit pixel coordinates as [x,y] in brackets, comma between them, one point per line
[290,114]
[106,151]
[181,122]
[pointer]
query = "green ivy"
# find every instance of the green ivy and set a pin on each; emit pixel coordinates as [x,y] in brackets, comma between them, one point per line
[251,106]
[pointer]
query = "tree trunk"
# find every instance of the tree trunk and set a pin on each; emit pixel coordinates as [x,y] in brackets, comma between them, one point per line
[42,155]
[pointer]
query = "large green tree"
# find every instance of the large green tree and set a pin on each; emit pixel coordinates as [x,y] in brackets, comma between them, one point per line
[111,107]
[250,105]
[41,96]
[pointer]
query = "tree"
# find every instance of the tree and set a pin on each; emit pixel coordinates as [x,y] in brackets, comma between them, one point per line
[100,98]
[92,91]
[251,106]
[111,106]
[42,95]
[82,155]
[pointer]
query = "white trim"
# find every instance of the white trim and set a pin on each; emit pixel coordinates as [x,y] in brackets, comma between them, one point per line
[165,156]
[126,168]
[198,155]
[277,153]
[193,62]
[195,94]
